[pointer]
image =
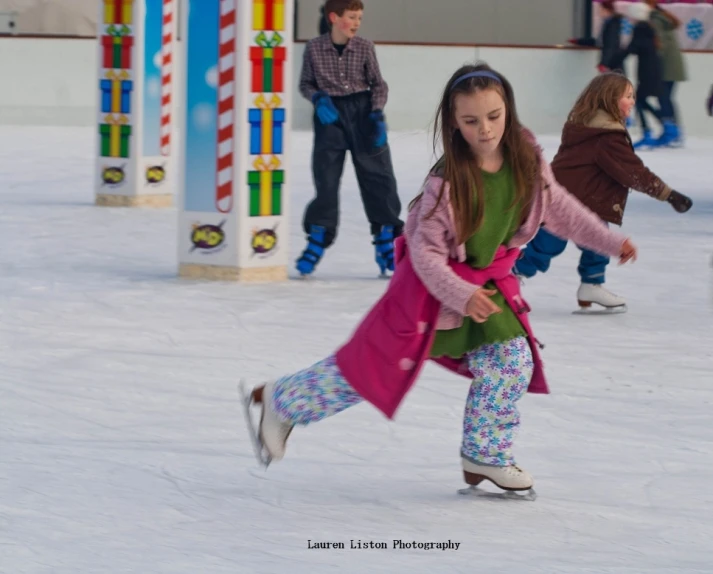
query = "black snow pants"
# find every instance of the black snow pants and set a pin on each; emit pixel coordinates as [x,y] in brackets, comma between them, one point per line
[353,132]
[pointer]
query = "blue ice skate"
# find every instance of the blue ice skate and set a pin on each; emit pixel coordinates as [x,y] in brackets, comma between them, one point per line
[647,141]
[384,247]
[671,135]
[313,252]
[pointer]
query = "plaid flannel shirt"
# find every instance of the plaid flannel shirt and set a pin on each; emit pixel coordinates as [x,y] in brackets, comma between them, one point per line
[356,70]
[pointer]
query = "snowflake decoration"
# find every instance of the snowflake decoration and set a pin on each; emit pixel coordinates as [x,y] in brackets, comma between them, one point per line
[627,27]
[695,29]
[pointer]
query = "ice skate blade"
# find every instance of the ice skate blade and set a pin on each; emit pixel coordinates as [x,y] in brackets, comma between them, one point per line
[261,454]
[600,310]
[473,490]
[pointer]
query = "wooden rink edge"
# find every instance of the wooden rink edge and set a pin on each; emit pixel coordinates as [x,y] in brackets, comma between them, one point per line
[113,200]
[242,275]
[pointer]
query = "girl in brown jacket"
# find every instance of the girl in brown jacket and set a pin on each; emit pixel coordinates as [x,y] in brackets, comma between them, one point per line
[597,164]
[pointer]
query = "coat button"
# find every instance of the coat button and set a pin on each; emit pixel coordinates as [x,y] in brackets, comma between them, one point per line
[406,364]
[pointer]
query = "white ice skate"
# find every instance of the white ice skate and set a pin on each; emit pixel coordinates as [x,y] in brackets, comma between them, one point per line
[512,479]
[269,437]
[589,294]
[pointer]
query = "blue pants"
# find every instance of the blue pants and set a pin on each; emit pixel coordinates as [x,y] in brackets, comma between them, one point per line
[668,111]
[643,106]
[544,246]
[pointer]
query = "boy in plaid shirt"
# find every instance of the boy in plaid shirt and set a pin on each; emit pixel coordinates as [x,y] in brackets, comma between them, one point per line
[341,77]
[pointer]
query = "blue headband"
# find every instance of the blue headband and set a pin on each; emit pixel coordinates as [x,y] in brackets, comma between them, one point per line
[481,74]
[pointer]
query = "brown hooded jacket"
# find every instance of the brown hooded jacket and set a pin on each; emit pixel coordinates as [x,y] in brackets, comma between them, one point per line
[597,164]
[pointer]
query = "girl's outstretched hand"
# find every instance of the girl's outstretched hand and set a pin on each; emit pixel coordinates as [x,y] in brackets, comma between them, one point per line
[628,252]
[480,307]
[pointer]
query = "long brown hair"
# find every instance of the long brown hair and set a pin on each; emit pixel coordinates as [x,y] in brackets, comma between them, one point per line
[602,93]
[459,166]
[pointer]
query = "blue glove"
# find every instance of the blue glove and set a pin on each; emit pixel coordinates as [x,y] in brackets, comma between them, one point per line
[324,108]
[377,116]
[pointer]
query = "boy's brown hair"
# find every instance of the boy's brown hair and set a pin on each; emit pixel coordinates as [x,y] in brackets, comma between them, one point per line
[602,93]
[341,6]
[460,168]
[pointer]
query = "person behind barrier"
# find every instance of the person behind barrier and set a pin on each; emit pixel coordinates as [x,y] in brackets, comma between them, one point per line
[665,24]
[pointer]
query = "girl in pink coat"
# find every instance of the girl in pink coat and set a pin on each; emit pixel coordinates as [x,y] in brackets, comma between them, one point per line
[453,298]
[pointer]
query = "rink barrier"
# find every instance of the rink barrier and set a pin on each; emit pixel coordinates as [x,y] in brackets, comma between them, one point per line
[61,91]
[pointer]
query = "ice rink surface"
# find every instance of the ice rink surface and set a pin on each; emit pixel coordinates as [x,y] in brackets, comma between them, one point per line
[122,441]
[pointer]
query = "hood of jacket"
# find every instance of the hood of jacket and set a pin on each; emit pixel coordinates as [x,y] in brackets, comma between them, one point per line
[601,124]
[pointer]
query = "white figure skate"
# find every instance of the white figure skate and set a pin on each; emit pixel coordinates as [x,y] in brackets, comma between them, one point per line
[512,479]
[269,437]
[589,294]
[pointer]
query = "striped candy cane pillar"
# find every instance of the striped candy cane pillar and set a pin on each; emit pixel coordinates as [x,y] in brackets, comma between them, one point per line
[166,74]
[226,106]
[236,117]
[133,166]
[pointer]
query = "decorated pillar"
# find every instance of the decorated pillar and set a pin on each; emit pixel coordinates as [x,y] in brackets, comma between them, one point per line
[136,108]
[233,157]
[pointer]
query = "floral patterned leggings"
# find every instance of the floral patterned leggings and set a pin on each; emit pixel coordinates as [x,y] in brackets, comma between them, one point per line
[501,373]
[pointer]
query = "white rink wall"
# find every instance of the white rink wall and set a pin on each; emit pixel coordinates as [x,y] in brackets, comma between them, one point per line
[53,82]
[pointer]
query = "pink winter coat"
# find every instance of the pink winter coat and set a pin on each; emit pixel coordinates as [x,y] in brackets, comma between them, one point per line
[383,358]
[432,283]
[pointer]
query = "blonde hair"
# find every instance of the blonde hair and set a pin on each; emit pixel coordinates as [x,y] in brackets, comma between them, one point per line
[602,93]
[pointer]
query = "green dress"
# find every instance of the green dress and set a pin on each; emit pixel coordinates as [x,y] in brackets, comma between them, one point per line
[498,227]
